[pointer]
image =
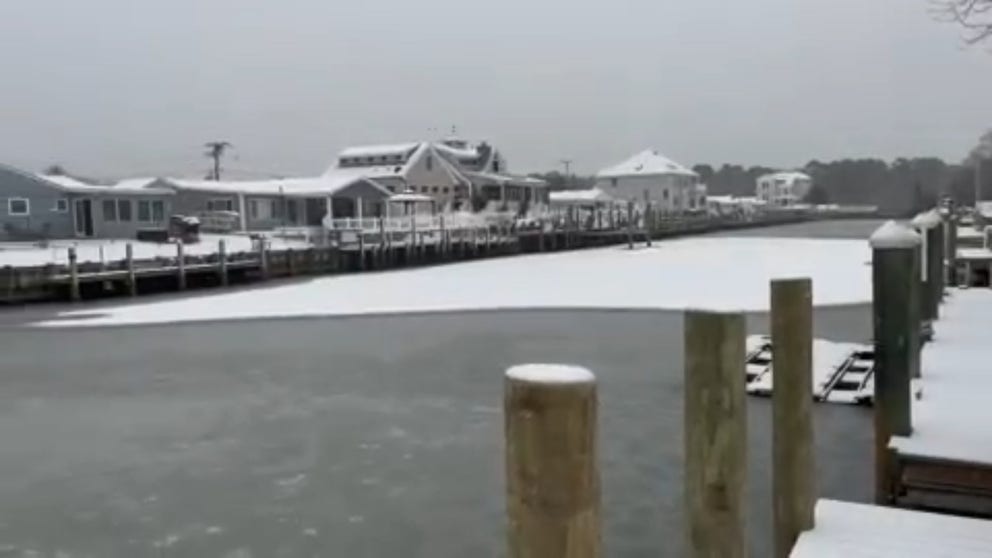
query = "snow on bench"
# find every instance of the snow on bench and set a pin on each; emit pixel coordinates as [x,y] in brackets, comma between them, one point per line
[860,530]
[952,414]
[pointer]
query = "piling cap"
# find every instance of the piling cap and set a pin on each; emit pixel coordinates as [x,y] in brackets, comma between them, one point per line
[550,374]
[894,235]
[927,220]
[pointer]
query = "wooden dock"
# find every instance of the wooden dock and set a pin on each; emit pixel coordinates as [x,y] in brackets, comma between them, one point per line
[359,245]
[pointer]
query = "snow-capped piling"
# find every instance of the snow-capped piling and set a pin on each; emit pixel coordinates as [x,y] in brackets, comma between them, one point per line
[180,266]
[927,224]
[950,247]
[715,436]
[552,471]
[793,485]
[132,282]
[896,309]
[73,275]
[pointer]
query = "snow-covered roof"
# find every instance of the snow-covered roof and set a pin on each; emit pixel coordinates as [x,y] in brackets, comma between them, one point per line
[646,163]
[790,176]
[467,153]
[378,150]
[74,185]
[410,196]
[324,185]
[507,178]
[580,196]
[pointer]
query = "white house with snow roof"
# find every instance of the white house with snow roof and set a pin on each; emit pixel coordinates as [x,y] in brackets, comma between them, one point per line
[451,171]
[650,177]
[783,189]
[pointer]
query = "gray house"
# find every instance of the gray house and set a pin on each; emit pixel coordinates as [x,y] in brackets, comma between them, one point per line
[258,205]
[34,207]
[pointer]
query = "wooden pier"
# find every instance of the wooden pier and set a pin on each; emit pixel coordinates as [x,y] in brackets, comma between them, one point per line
[356,245]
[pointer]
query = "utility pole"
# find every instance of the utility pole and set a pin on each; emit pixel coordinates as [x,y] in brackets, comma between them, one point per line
[216,151]
[567,163]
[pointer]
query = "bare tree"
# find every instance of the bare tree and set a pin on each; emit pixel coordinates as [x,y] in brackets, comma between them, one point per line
[975,16]
[215,151]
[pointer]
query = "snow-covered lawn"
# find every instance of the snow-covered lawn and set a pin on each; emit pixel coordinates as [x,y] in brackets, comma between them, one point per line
[952,415]
[711,273]
[21,254]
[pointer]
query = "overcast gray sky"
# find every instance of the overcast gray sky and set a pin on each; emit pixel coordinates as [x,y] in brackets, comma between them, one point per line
[115,87]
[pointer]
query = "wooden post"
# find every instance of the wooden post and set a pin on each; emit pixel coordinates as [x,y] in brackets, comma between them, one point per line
[895,305]
[715,436]
[540,238]
[938,265]
[361,249]
[132,283]
[951,247]
[793,487]
[222,261]
[489,241]
[411,255]
[630,224]
[74,294]
[648,223]
[263,257]
[181,265]
[443,243]
[382,243]
[552,473]
[927,224]
[290,262]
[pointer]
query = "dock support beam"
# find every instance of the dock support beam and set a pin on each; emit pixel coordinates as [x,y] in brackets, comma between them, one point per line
[552,471]
[895,305]
[715,436]
[181,266]
[132,282]
[74,294]
[793,487]
[263,258]
[926,225]
[222,261]
[951,247]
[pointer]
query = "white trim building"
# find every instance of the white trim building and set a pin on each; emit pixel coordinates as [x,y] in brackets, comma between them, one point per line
[783,189]
[650,177]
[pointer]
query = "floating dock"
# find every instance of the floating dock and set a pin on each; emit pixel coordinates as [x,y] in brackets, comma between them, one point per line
[842,372]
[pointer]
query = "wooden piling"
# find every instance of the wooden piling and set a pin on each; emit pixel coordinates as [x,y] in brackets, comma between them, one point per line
[630,225]
[361,250]
[74,294]
[895,305]
[442,246]
[180,265]
[793,487]
[715,436]
[540,238]
[222,261]
[926,225]
[951,248]
[290,262]
[648,224]
[263,257]
[132,282]
[382,243]
[552,474]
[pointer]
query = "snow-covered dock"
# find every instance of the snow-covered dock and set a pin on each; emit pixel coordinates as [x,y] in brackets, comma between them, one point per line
[950,448]
[842,372]
[860,530]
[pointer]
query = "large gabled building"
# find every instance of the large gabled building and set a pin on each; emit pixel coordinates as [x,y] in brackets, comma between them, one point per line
[650,177]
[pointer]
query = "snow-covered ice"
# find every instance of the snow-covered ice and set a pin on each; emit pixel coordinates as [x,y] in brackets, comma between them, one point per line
[861,530]
[113,250]
[951,416]
[715,273]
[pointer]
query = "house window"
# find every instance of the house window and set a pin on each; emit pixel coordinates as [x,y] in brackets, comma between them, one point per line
[392,189]
[430,162]
[110,210]
[158,211]
[425,189]
[444,190]
[435,189]
[61,206]
[495,165]
[18,206]
[260,209]
[613,182]
[664,194]
[123,210]
[144,211]
[220,204]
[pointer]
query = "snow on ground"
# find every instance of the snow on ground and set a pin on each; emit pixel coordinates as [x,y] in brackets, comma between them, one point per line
[708,273]
[861,530]
[951,416]
[22,254]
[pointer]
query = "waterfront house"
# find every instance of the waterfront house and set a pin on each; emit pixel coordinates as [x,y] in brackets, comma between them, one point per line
[454,172]
[37,207]
[650,177]
[258,205]
[783,189]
